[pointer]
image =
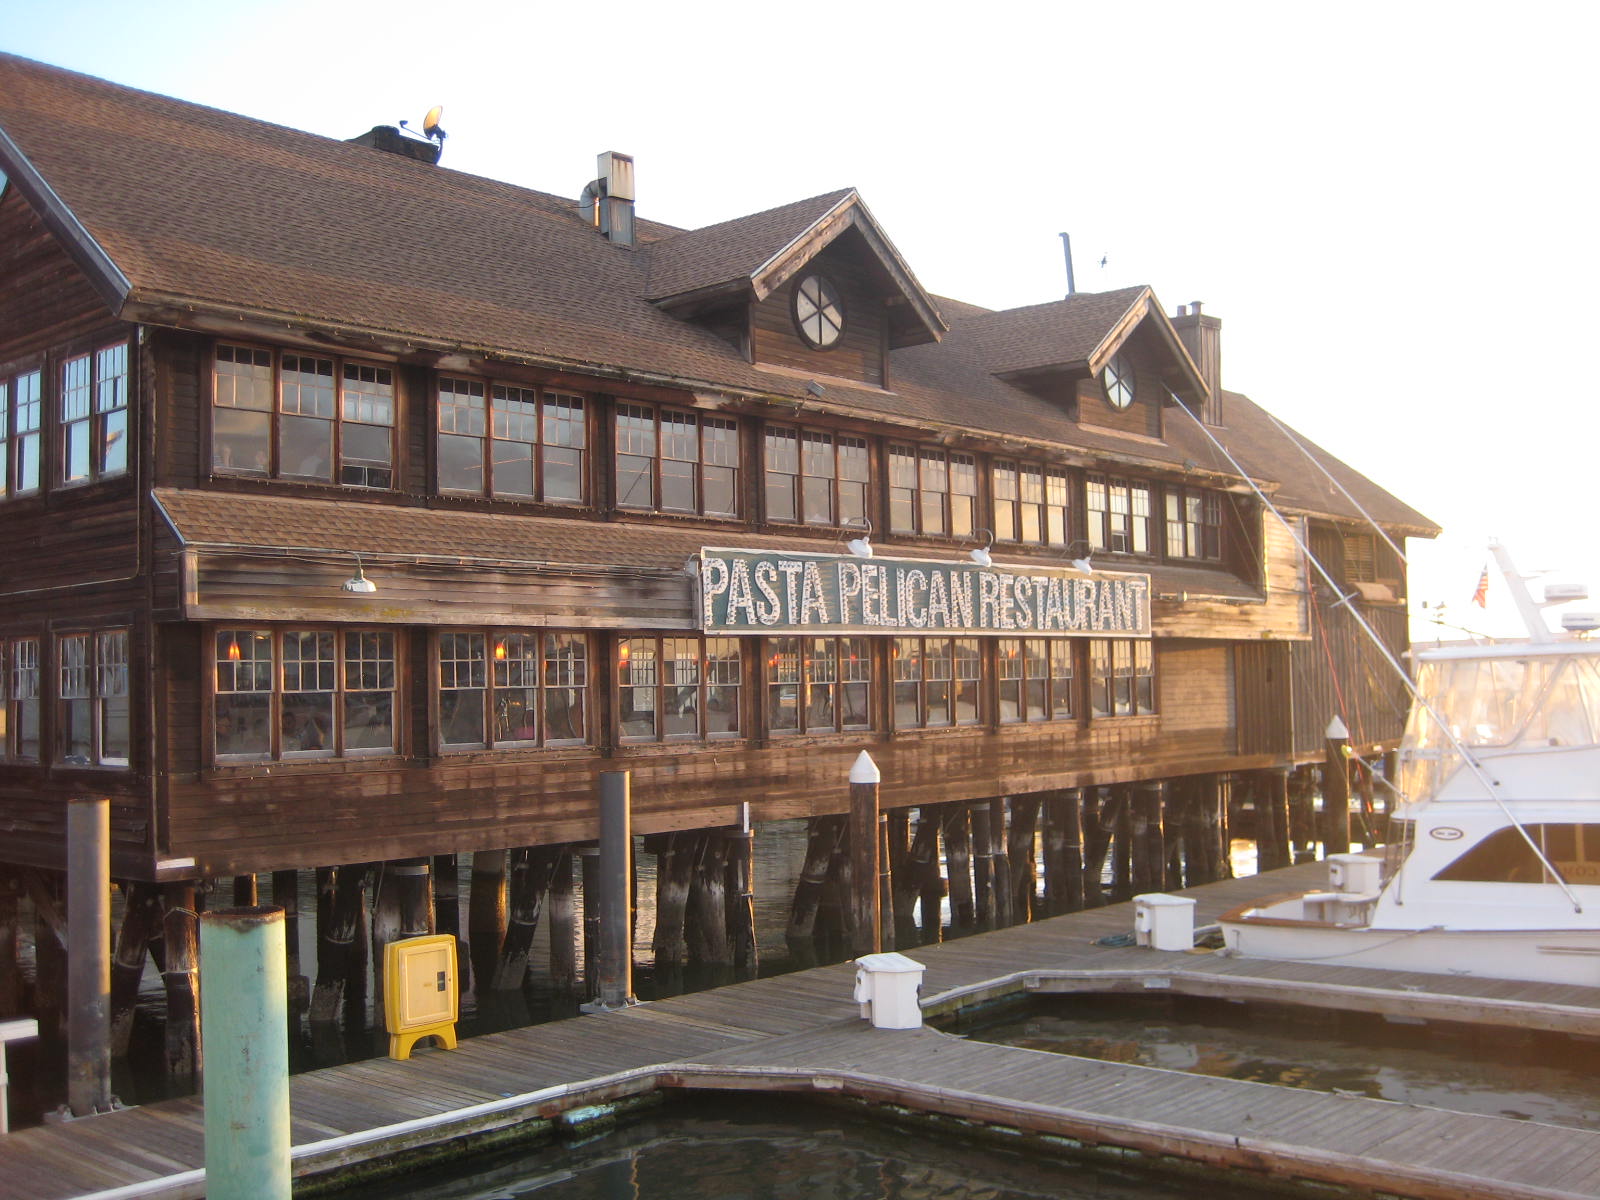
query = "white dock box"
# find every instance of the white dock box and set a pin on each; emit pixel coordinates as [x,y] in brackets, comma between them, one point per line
[1354,873]
[886,989]
[1163,922]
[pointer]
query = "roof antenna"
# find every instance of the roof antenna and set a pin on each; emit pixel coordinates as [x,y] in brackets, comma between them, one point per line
[1066,246]
[430,125]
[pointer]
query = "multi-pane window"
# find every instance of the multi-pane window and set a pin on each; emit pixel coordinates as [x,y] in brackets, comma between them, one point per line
[303,693]
[670,461]
[678,688]
[503,440]
[1118,515]
[818,685]
[94,415]
[1194,524]
[302,417]
[815,477]
[19,683]
[513,688]
[932,491]
[1036,679]
[1122,678]
[92,696]
[935,682]
[21,411]
[1031,503]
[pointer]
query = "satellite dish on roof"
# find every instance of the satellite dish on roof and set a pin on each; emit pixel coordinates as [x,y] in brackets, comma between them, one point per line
[430,123]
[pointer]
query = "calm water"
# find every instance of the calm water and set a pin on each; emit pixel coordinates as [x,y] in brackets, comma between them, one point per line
[755,1150]
[1500,1073]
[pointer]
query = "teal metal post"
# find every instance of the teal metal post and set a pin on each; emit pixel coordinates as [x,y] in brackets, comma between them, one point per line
[245,1034]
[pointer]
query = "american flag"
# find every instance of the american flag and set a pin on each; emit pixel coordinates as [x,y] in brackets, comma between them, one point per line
[1480,597]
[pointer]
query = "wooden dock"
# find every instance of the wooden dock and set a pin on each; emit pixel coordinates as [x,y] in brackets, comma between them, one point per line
[801,1033]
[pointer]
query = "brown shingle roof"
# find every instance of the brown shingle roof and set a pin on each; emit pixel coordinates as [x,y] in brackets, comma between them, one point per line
[205,208]
[731,250]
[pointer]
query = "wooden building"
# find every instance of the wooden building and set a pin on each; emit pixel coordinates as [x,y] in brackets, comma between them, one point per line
[245,370]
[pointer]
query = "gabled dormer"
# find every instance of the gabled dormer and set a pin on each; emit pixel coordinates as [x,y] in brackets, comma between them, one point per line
[1111,360]
[812,287]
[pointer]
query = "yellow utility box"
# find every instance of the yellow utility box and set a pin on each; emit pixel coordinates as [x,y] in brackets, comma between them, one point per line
[419,992]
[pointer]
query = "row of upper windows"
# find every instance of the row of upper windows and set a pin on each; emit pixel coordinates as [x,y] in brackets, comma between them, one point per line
[291,416]
[86,401]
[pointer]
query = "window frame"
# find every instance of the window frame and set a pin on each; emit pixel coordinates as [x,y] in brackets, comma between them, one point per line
[15,462]
[21,692]
[904,652]
[335,738]
[955,512]
[838,669]
[493,715]
[1050,504]
[660,415]
[1122,659]
[102,671]
[1197,537]
[542,448]
[342,458]
[708,684]
[848,498]
[92,404]
[1101,521]
[1058,692]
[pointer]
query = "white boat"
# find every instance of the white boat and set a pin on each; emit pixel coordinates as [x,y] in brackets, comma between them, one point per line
[1494,864]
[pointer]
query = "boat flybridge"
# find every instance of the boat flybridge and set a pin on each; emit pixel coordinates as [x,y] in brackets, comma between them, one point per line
[1494,863]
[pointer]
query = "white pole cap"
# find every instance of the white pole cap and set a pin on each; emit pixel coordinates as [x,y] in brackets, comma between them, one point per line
[1336,728]
[864,770]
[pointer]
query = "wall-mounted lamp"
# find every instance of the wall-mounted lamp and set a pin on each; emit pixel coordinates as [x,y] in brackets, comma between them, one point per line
[359,583]
[861,547]
[980,554]
[814,388]
[1081,564]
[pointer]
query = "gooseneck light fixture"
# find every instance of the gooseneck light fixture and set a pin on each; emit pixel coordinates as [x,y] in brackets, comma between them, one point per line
[1080,564]
[359,583]
[980,554]
[861,546]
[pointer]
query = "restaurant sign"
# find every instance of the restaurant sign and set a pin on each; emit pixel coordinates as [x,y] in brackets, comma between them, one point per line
[760,591]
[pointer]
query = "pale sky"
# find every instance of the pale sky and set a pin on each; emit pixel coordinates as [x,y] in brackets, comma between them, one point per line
[1390,205]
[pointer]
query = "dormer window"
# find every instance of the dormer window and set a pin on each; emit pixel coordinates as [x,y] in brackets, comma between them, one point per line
[1117,380]
[818,312]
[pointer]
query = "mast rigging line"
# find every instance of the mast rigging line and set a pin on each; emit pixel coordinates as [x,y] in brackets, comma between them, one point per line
[1473,765]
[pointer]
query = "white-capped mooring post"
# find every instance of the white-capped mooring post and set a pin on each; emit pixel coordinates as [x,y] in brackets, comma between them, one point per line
[244,1031]
[865,904]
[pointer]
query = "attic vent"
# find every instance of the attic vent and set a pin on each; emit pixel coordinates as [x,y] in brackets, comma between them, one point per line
[608,201]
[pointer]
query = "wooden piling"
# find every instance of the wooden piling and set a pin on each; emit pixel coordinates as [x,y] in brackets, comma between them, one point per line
[1067,830]
[924,869]
[901,909]
[1272,817]
[1147,854]
[979,815]
[953,827]
[245,892]
[562,907]
[1303,814]
[286,895]
[141,920]
[1100,807]
[1000,862]
[10,938]
[486,915]
[706,929]
[1021,857]
[531,869]
[180,978]
[742,900]
[674,853]
[1335,791]
[340,990]
[1122,845]
[823,835]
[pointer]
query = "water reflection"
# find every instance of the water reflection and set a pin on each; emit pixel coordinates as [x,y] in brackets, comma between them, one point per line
[1493,1072]
[748,1149]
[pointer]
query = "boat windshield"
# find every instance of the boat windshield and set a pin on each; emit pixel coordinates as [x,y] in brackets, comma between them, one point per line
[1544,700]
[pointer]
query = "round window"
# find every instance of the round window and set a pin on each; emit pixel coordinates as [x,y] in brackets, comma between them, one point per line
[818,312]
[1117,380]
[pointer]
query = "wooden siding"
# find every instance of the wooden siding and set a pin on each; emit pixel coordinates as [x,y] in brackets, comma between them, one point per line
[1265,711]
[1142,417]
[859,353]
[1340,671]
[1279,615]
[45,300]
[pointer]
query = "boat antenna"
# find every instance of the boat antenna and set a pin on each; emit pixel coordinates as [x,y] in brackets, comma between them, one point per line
[1489,786]
[1517,585]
